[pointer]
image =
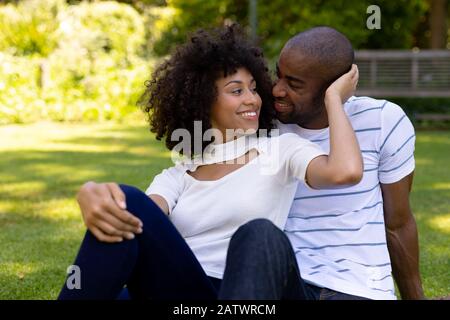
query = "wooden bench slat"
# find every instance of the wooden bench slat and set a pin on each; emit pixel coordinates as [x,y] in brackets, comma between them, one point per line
[432,116]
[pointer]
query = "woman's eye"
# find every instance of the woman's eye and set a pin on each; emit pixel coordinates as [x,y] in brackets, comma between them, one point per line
[237,91]
[254,90]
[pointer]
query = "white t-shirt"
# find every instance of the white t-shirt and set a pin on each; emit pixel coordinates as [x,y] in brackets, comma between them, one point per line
[207,213]
[339,235]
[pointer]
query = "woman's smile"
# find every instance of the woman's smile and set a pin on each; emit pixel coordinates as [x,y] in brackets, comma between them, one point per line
[249,115]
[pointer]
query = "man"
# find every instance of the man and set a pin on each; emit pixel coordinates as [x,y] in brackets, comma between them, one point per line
[326,227]
[346,240]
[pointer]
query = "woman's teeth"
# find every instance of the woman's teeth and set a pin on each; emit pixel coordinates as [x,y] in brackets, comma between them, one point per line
[248,114]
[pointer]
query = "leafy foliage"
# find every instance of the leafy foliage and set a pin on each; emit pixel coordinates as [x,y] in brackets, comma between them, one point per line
[86,64]
[82,60]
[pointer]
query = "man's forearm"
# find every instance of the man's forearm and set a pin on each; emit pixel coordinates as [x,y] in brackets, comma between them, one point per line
[404,252]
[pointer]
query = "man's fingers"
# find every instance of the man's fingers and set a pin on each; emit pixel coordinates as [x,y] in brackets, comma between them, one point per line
[117,194]
[101,236]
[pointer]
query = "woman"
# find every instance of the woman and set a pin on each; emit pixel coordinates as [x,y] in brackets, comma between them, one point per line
[191,210]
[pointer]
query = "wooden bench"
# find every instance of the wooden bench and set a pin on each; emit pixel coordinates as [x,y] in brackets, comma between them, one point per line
[432,116]
[432,121]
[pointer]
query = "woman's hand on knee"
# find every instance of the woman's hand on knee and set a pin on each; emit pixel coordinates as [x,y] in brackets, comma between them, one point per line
[103,208]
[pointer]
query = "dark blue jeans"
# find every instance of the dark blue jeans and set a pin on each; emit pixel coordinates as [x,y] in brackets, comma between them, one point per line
[158,264]
[261,265]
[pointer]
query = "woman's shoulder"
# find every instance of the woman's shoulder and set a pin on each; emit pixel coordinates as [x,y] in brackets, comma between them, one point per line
[282,146]
[176,171]
[289,139]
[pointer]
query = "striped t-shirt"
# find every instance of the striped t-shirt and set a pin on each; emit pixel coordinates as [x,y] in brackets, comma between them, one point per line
[338,235]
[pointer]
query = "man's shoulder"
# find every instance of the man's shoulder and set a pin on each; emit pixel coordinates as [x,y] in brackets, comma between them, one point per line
[367,110]
[364,106]
[368,106]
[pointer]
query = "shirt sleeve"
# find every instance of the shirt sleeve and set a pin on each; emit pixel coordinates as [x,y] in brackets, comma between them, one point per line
[397,141]
[168,184]
[296,153]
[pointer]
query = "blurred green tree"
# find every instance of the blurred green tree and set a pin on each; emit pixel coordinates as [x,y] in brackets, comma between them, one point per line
[278,20]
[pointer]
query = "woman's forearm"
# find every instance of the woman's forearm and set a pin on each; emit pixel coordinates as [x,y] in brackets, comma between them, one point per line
[344,159]
[344,165]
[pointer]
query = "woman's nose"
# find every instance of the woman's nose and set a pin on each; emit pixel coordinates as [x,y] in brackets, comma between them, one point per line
[250,97]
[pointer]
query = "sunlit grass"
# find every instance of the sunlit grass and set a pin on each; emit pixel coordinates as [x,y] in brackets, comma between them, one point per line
[42,166]
[431,205]
[441,223]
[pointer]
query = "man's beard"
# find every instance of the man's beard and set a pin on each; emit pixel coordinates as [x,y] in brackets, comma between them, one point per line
[314,111]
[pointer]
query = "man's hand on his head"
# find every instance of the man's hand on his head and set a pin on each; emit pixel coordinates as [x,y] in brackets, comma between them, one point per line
[103,207]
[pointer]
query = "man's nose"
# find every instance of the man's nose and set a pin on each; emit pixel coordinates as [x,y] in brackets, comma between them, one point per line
[278,90]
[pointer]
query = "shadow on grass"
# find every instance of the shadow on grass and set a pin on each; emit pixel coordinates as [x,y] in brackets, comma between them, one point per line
[136,157]
[68,170]
[41,227]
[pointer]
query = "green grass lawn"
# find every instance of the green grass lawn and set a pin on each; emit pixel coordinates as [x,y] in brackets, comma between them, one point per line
[43,165]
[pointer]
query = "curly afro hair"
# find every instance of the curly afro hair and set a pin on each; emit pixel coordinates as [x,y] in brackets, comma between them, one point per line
[182,89]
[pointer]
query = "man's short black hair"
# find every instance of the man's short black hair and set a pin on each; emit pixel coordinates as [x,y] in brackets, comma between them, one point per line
[332,50]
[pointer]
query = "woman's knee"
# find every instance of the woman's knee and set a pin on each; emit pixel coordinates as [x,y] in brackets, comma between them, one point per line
[141,205]
[131,193]
[134,198]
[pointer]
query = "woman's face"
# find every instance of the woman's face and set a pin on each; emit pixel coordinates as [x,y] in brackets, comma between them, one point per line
[237,105]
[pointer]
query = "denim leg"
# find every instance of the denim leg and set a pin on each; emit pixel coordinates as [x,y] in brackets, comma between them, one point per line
[104,269]
[261,265]
[157,264]
[328,294]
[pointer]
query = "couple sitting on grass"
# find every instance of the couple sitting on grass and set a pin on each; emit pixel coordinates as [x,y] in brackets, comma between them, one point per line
[291,190]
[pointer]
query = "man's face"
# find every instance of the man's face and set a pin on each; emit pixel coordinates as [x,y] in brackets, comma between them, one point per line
[299,89]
